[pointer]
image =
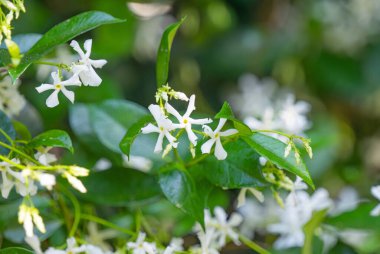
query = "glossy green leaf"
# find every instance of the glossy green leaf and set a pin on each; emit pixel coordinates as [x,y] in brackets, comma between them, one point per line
[273,150]
[163,54]
[15,250]
[7,127]
[120,187]
[226,112]
[111,119]
[52,138]
[62,33]
[240,169]
[133,131]
[180,189]
[22,131]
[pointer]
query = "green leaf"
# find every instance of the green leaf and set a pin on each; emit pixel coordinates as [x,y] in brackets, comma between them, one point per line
[62,33]
[273,150]
[6,127]
[52,138]
[120,187]
[15,250]
[163,54]
[240,169]
[133,131]
[226,112]
[362,219]
[22,131]
[111,119]
[309,230]
[180,189]
[24,42]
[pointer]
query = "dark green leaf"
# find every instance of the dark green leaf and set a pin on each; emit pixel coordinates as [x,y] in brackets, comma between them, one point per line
[273,150]
[120,187]
[226,112]
[7,127]
[180,189]
[133,131]
[21,131]
[240,169]
[52,138]
[15,250]
[163,54]
[62,33]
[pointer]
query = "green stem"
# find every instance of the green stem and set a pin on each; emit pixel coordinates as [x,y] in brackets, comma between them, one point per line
[276,132]
[106,224]
[19,152]
[59,65]
[6,136]
[76,206]
[19,166]
[253,245]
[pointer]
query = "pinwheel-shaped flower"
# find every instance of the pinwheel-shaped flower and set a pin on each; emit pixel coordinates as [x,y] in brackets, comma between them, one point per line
[141,246]
[215,135]
[59,85]
[186,121]
[164,126]
[84,68]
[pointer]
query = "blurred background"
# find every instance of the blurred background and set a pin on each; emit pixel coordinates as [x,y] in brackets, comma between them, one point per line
[325,52]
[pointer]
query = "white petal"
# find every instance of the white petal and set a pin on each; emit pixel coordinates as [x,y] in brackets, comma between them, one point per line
[69,94]
[192,137]
[158,147]
[28,224]
[375,190]
[173,111]
[206,147]
[38,222]
[208,131]
[222,121]
[72,81]
[75,45]
[149,129]
[220,153]
[76,183]
[52,100]
[34,242]
[6,186]
[89,77]
[235,220]
[241,197]
[220,214]
[229,132]
[200,121]
[170,137]
[155,110]
[44,87]
[87,46]
[376,211]
[98,63]
[56,78]
[47,180]
[190,106]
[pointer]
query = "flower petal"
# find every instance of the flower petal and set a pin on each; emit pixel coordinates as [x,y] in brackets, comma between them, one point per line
[75,45]
[190,106]
[52,100]
[69,94]
[44,87]
[173,111]
[375,190]
[376,211]
[222,121]
[220,153]
[206,147]
[228,132]
[87,46]
[98,63]
[158,147]
[192,137]
[72,81]
[149,129]
[200,121]
[89,77]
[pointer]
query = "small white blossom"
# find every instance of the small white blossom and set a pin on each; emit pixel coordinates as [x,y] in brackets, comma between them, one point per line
[141,246]
[34,242]
[215,135]
[11,101]
[59,86]
[164,126]
[44,157]
[75,182]
[29,216]
[85,67]
[186,121]
[207,240]
[137,162]
[72,248]
[375,190]
[347,200]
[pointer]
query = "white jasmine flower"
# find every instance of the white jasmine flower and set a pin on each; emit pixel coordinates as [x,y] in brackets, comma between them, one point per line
[375,190]
[225,228]
[207,242]
[215,135]
[347,200]
[84,68]
[11,101]
[98,237]
[59,85]
[292,115]
[22,181]
[176,244]
[46,180]
[44,157]
[75,182]
[299,184]
[186,121]
[140,246]
[72,248]
[164,126]
[29,216]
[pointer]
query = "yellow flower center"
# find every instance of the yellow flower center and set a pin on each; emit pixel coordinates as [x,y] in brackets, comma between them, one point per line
[185,121]
[58,86]
[217,135]
[161,129]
